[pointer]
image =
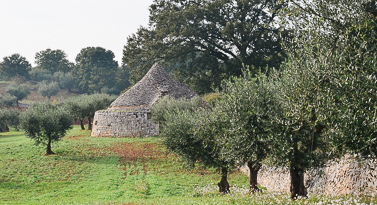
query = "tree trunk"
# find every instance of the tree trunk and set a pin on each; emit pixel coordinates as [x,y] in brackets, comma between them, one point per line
[223,184]
[82,124]
[89,123]
[4,128]
[297,183]
[253,168]
[48,150]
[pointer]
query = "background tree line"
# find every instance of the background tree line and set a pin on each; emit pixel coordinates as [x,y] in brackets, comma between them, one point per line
[94,71]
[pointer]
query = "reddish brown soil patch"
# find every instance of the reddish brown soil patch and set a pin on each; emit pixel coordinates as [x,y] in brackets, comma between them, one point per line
[131,153]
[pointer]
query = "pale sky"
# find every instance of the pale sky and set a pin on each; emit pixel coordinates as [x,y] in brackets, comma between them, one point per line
[30,26]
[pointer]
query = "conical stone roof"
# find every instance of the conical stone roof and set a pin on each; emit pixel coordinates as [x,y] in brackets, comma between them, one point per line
[154,85]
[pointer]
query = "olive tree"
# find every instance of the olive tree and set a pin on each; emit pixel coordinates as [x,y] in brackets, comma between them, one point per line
[9,117]
[96,102]
[355,89]
[248,104]
[209,128]
[7,100]
[84,106]
[190,131]
[303,143]
[48,89]
[76,107]
[327,89]
[46,123]
[19,91]
[65,80]
[169,105]
[39,75]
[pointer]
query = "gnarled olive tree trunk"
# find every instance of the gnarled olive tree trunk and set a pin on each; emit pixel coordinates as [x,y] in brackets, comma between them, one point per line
[298,188]
[89,123]
[48,149]
[253,172]
[223,184]
[82,124]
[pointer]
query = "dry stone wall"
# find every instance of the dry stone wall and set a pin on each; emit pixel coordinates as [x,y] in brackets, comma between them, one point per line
[124,122]
[338,177]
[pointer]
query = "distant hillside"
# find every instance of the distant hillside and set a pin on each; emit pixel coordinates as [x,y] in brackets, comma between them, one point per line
[35,96]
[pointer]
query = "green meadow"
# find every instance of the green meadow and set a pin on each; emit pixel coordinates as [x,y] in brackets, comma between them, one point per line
[88,170]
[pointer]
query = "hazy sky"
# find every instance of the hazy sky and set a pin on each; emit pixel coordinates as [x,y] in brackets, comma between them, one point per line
[30,26]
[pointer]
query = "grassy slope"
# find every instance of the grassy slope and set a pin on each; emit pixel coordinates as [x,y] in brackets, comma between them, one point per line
[34,96]
[89,170]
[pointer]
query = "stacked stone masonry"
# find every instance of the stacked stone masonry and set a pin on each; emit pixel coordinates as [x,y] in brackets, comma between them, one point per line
[337,177]
[125,122]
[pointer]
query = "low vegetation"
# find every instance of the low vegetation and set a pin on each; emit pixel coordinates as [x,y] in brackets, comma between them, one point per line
[87,170]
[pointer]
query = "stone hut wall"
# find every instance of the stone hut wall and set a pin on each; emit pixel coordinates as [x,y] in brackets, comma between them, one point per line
[341,177]
[123,122]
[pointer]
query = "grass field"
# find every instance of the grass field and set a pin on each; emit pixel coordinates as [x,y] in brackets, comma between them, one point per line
[87,170]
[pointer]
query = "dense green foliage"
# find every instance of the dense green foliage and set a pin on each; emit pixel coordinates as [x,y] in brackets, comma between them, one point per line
[47,89]
[95,68]
[84,106]
[247,107]
[7,100]
[203,42]
[39,75]
[9,117]
[65,80]
[53,61]
[14,66]
[45,123]
[19,91]
[168,105]
[191,131]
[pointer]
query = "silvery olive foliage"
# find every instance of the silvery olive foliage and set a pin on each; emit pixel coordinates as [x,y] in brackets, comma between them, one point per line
[48,89]
[19,91]
[188,129]
[9,117]
[169,105]
[247,106]
[7,100]
[84,106]
[45,123]
[193,133]
[337,38]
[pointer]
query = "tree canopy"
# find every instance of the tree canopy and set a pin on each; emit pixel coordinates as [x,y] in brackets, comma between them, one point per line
[207,39]
[193,132]
[95,68]
[48,89]
[84,106]
[46,123]
[13,66]
[9,117]
[19,91]
[247,105]
[53,61]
